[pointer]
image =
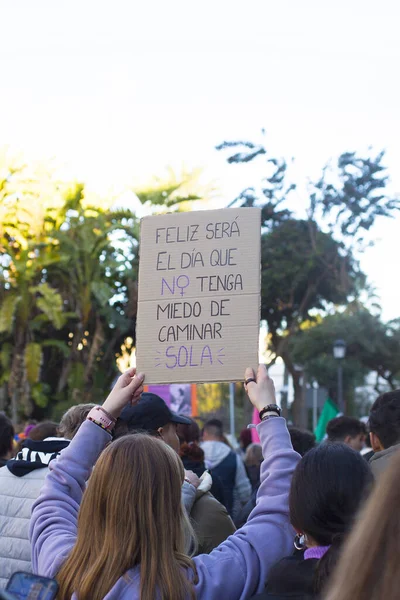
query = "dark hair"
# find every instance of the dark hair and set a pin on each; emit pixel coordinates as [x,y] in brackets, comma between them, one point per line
[188,433]
[340,427]
[327,489]
[214,427]
[245,438]
[368,566]
[302,440]
[189,437]
[6,435]
[43,430]
[384,418]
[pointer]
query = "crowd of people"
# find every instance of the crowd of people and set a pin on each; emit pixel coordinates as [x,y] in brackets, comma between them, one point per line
[131,500]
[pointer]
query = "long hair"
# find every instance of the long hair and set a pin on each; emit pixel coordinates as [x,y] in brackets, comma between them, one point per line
[369,565]
[131,514]
[328,486]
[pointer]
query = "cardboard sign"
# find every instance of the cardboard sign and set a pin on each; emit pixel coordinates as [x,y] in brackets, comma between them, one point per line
[199,295]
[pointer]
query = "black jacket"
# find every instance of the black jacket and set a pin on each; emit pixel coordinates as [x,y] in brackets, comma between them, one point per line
[246,509]
[292,578]
[199,467]
[35,455]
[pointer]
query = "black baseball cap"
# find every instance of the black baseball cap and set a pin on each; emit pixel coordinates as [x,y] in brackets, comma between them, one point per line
[150,413]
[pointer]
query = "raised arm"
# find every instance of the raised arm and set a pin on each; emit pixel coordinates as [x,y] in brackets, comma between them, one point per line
[53,526]
[239,567]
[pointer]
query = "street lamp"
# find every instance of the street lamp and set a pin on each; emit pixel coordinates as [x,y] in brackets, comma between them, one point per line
[339,352]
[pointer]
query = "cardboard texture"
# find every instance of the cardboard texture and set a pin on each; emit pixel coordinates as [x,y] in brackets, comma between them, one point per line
[199,295]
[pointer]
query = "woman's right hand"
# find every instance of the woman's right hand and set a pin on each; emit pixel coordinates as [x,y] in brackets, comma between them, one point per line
[262,391]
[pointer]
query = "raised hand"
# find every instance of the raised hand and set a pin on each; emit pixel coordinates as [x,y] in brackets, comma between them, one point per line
[192,478]
[261,391]
[128,389]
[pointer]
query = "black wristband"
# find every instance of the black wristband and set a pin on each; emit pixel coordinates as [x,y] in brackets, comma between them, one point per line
[272,408]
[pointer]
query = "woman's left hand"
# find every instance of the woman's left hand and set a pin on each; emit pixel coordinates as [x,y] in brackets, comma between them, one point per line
[128,389]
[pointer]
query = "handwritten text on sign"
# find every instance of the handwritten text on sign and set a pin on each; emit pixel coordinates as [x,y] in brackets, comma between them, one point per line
[199,295]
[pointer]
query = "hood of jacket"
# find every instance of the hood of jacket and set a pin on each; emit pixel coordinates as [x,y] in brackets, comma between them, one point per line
[379,462]
[214,453]
[36,455]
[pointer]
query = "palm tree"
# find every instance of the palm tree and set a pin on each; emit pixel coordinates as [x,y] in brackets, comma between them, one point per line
[97,273]
[28,304]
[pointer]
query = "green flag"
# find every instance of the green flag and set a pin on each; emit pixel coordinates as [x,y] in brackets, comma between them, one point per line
[329,412]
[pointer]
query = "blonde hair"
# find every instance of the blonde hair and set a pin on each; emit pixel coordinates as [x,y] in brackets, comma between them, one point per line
[368,567]
[131,515]
[73,419]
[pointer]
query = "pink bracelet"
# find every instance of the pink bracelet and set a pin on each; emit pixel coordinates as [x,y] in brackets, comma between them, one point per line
[101,418]
[113,419]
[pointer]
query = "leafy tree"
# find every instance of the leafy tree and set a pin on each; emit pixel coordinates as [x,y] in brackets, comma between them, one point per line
[28,303]
[352,195]
[308,264]
[68,288]
[302,270]
[99,263]
[372,346]
[173,192]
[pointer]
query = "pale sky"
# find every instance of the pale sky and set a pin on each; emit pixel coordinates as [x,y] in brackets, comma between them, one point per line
[115,91]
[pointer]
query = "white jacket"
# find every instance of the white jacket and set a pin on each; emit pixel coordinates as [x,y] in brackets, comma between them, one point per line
[17,495]
[20,484]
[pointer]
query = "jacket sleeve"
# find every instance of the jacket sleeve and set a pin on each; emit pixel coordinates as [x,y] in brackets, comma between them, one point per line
[188,496]
[239,567]
[242,483]
[53,525]
[211,522]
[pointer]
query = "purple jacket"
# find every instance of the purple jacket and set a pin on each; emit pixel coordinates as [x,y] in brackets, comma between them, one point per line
[237,569]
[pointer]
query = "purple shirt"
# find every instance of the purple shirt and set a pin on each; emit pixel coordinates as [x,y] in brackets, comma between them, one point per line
[316,552]
[237,569]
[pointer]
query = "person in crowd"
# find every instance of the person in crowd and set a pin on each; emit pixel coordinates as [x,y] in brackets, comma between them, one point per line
[244,440]
[122,538]
[219,425]
[20,483]
[211,522]
[21,434]
[6,439]
[328,487]
[192,456]
[368,567]
[252,461]
[367,452]
[348,430]
[384,426]
[43,431]
[227,465]
[155,418]
[302,442]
